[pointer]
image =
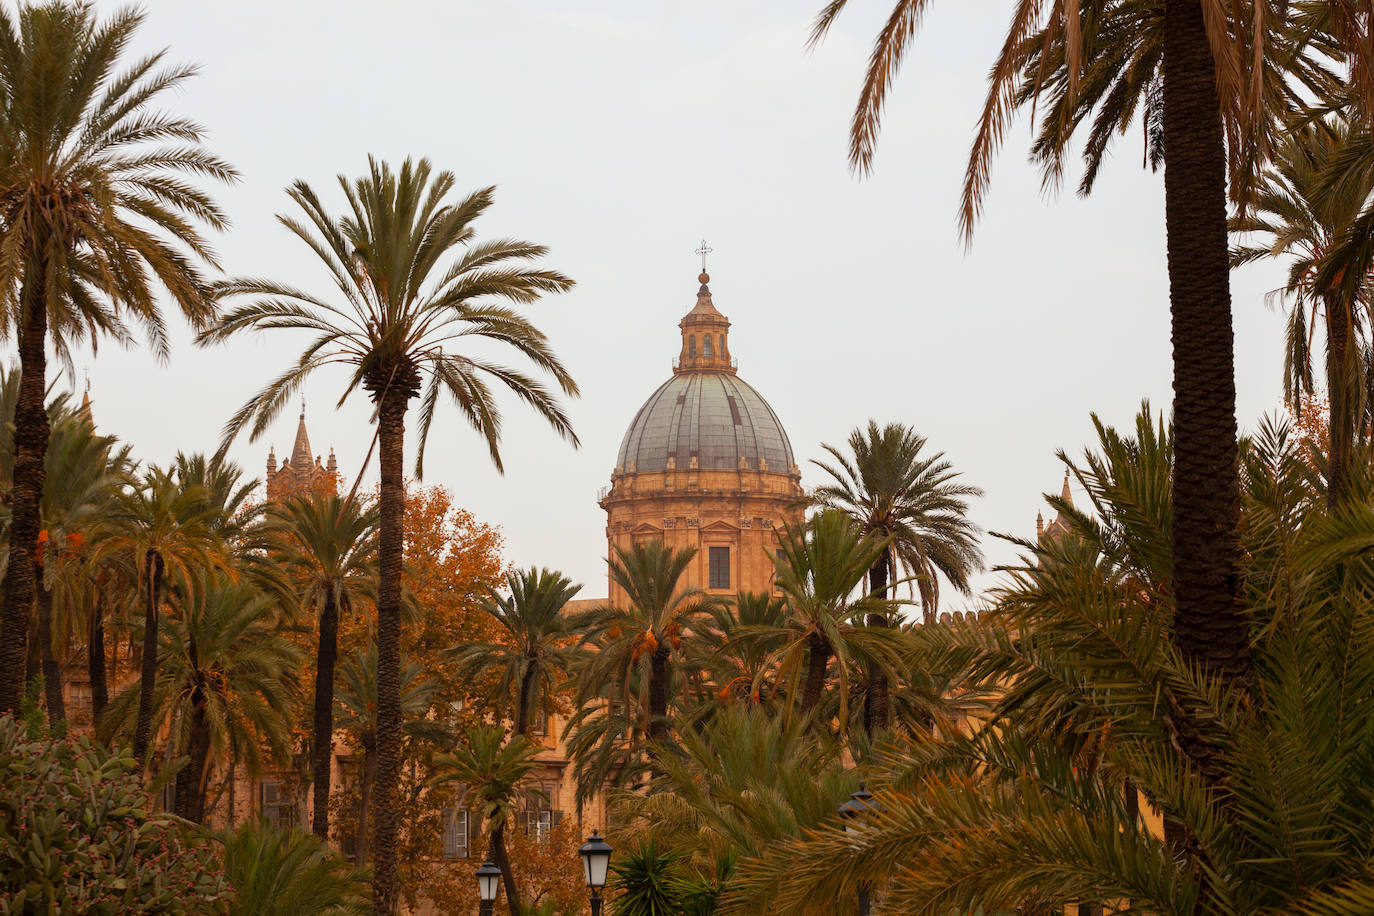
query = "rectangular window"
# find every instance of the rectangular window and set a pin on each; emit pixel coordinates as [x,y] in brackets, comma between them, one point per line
[456,834]
[274,804]
[720,567]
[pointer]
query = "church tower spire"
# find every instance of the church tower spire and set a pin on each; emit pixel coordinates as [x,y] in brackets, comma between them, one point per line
[300,452]
[705,336]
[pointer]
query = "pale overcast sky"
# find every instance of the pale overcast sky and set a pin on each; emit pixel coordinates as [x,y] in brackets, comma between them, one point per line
[622,133]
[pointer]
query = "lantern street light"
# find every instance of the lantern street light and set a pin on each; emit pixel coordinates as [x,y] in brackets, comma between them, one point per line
[488,883]
[596,861]
[852,813]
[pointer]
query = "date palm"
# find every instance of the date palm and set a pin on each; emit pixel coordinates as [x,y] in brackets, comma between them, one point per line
[226,678]
[535,653]
[168,530]
[283,872]
[821,573]
[914,503]
[1042,811]
[1209,81]
[1304,219]
[412,288]
[97,219]
[327,546]
[492,768]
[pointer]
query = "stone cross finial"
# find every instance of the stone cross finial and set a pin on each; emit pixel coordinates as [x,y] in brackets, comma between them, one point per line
[704,250]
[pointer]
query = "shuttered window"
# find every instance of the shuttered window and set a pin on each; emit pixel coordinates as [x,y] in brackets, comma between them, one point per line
[720,567]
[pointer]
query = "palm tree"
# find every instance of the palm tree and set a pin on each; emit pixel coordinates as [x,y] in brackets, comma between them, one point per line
[169,531]
[356,698]
[1210,83]
[326,545]
[276,872]
[226,678]
[88,467]
[1307,220]
[96,217]
[823,561]
[914,503]
[492,769]
[406,298]
[636,645]
[1043,810]
[535,654]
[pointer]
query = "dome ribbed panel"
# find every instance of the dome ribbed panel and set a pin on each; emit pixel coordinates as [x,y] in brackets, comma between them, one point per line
[714,417]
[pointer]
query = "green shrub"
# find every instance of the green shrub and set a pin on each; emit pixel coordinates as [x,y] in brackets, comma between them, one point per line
[77,836]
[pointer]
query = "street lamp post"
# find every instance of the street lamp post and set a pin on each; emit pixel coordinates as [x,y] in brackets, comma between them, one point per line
[488,883]
[596,861]
[852,813]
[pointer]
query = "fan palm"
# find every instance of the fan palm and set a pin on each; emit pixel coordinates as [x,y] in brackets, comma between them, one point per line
[535,654]
[492,769]
[327,546]
[169,531]
[96,216]
[1304,218]
[914,502]
[277,872]
[1209,81]
[226,677]
[406,298]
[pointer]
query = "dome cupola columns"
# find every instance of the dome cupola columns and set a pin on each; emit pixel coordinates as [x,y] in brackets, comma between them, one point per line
[705,336]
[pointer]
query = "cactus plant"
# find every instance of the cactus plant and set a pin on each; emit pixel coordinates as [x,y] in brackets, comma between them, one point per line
[78,837]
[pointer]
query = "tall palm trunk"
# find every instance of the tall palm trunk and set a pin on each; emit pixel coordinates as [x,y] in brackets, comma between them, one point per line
[525,701]
[324,711]
[500,856]
[143,727]
[30,445]
[95,662]
[392,395]
[658,694]
[817,664]
[1210,626]
[52,673]
[877,693]
[1342,417]
[188,799]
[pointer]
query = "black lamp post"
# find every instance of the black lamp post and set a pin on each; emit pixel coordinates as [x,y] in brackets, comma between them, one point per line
[852,812]
[488,883]
[596,861]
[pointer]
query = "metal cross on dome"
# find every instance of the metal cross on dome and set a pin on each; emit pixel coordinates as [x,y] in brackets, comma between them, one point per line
[704,250]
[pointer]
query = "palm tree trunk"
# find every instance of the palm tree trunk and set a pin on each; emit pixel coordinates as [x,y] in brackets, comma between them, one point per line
[658,694]
[1210,626]
[877,693]
[95,662]
[1341,424]
[523,702]
[30,445]
[52,673]
[143,727]
[363,848]
[323,739]
[501,857]
[817,663]
[189,798]
[391,414]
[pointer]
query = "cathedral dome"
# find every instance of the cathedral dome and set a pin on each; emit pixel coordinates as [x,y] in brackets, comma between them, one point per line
[705,411]
[714,417]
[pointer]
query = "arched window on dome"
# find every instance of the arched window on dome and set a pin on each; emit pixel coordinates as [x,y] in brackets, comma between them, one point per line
[709,350]
[692,347]
[720,344]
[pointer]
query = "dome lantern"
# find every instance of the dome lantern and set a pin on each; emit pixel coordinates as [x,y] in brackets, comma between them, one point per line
[705,336]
